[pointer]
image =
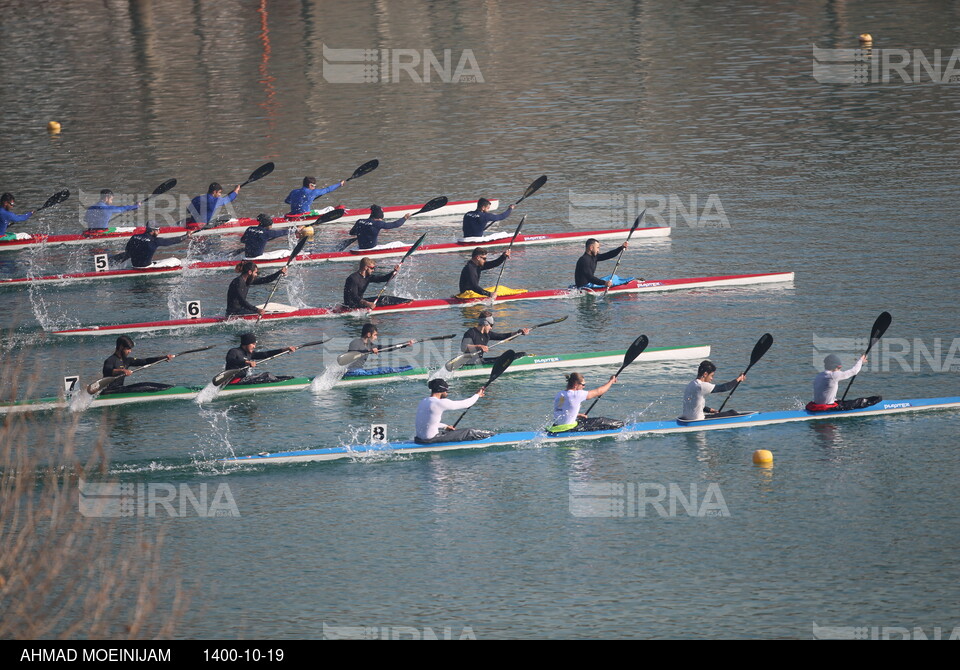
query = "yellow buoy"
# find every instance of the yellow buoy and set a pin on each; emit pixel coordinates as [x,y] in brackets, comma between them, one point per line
[307,231]
[762,457]
[866,38]
[53,127]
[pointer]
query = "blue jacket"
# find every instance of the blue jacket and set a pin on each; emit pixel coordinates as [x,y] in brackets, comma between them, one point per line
[98,216]
[7,217]
[301,199]
[476,222]
[203,207]
[368,230]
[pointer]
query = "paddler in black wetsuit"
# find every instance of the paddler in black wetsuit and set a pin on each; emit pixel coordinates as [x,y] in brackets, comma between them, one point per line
[142,246]
[356,285]
[470,275]
[475,340]
[244,355]
[237,293]
[121,362]
[587,264]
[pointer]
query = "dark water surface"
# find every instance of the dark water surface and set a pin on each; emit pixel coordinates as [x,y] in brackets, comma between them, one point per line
[853,187]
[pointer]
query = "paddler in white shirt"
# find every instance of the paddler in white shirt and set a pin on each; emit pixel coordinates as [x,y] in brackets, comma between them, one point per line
[696,392]
[825,387]
[566,407]
[431,430]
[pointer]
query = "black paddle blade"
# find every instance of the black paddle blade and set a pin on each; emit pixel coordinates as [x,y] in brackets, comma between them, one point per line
[54,199]
[879,328]
[416,245]
[297,249]
[259,173]
[366,168]
[634,350]
[636,224]
[227,376]
[164,187]
[550,323]
[332,215]
[760,348]
[501,364]
[436,203]
[533,188]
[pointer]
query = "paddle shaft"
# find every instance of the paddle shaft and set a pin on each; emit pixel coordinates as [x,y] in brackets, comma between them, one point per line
[506,358]
[636,348]
[407,255]
[106,381]
[228,375]
[879,328]
[759,349]
[620,255]
[296,250]
[504,265]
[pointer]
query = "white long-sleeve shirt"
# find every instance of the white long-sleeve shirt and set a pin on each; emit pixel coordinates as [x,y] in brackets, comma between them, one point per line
[430,412]
[825,384]
[695,397]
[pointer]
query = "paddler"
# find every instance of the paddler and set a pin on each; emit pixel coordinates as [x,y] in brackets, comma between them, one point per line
[587,264]
[203,207]
[825,387]
[430,411]
[121,362]
[475,223]
[98,216]
[244,355]
[301,199]
[476,338]
[356,285]
[237,293]
[368,230]
[367,343]
[255,238]
[6,213]
[694,395]
[470,275]
[142,246]
[566,407]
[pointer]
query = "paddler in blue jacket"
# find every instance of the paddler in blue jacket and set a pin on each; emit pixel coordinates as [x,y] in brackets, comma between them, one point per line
[475,223]
[6,213]
[203,207]
[142,246]
[301,199]
[368,230]
[255,238]
[98,216]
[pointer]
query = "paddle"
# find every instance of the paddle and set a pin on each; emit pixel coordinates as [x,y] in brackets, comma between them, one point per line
[413,248]
[332,215]
[366,168]
[99,385]
[501,364]
[631,354]
[636,224]
[293,254]
[531,189]
[229,375]
[349,357]
[879,328]
[759,349]
[259,173]
[161,189]
[493,296]
[459,361]
[54,199]
[435,203]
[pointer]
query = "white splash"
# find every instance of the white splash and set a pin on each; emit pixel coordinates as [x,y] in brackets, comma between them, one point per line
[81,400]
[327,379]
[208,393]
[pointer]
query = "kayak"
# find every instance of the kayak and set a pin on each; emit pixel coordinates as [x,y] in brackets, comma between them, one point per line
[634,286]
[351,255]
[644,428]
[17,241]
[524,364]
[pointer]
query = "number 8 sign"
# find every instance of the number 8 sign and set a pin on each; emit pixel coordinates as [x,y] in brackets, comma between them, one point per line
[378,432]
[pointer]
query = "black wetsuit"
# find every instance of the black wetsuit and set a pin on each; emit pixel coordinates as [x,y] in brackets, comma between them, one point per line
[238,358]
[587,266]
[356,285]
[470,275]
[237,294]
[115,362]
[474,336]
